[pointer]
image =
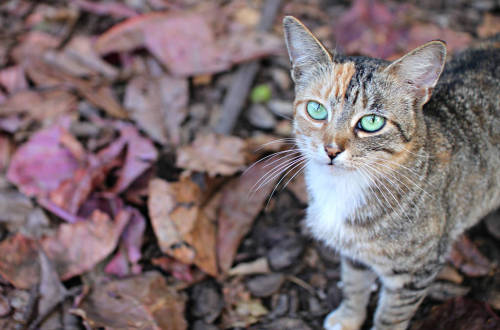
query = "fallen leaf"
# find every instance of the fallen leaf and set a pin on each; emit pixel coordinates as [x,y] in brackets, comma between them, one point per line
[386,30]
[96,91]
[78,247]
[125,261]
[13,79]
[79,59]
[158,105]
[298,187]
[184,231]
[213,154]
[178,39]
[490,26]
[42,164]
[113,9]
[34,43]
[140,155]
[140,302]
[239,207]
[466,257]
[240,310]
[459,314]
[39,105]
[19,261]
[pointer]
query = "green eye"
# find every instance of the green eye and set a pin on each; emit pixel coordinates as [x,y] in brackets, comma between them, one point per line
[371,123]
[316,111]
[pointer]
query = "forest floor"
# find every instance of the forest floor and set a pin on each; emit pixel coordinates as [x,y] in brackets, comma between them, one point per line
[126,128]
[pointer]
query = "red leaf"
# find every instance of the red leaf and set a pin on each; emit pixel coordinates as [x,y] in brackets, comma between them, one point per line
[185,43]
[42,164]
[141,154]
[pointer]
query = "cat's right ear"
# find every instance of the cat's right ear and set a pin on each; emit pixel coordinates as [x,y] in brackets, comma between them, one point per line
[303,48]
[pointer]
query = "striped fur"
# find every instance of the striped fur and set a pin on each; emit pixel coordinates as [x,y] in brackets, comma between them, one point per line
[395,200]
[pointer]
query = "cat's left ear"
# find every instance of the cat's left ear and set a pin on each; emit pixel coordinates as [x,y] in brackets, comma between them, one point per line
[420,69]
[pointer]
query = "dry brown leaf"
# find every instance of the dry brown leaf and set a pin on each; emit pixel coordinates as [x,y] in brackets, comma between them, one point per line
[213,154]
[97,91]
[79,59]
[158,105]
[239,207]
[78,247]
[19,261]
[39,105]
[241,310]
[466,257]
[140,302]
[184,231]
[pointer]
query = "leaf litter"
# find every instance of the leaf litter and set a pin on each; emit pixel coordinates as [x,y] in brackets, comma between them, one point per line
[111,177]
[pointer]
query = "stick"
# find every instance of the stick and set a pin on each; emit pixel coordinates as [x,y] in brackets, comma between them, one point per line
[244,76]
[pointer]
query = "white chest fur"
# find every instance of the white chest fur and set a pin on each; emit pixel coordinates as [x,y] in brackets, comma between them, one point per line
[333,198]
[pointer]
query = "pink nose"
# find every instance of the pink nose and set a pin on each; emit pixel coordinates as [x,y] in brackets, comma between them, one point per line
[332,151]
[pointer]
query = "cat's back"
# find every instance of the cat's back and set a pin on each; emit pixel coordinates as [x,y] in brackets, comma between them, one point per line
[463,120]
[467,95]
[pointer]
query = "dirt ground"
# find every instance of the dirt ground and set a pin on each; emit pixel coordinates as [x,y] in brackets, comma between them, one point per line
[128,198]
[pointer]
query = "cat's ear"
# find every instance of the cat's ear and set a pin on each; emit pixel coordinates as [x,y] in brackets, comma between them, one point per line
[420,69]
[303,48]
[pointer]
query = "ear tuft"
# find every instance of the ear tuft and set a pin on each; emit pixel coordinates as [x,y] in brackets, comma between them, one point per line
[303,48]
[422,66]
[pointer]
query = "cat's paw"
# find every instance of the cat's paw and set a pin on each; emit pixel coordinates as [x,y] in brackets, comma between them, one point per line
[340,320]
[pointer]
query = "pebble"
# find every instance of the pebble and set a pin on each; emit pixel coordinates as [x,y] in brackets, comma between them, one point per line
[286,253]
[208,302]
[265,285]
[281,78]
[281,108]
[260,117]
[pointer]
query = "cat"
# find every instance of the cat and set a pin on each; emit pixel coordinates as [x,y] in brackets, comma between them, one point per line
[394,175]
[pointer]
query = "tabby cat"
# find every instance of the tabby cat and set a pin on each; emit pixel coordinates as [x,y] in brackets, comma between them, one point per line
[393,174]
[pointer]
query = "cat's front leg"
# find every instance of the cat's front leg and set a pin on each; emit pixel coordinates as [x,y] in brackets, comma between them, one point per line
[357,282]
[400,297]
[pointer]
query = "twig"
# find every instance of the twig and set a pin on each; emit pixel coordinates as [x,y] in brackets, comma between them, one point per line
[244,76]
[302,284]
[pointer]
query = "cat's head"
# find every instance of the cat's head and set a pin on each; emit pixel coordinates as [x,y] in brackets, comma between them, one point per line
[349,112]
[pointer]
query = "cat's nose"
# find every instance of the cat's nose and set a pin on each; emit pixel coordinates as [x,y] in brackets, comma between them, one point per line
[332,151]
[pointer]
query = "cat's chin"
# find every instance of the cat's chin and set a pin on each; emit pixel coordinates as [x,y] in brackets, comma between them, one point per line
[334,169]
